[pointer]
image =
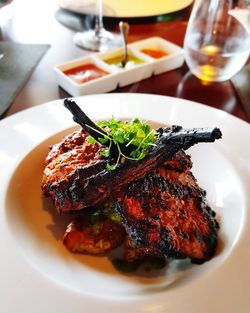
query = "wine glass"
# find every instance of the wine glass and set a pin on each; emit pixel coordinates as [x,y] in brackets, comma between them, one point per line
[217,41]
[98,39]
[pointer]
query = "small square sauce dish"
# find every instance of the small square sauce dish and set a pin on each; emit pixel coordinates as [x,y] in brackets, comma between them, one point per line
[84,76]
[136,69]
[165,55]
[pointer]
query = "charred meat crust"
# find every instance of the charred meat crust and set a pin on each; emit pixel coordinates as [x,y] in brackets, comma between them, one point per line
[167,211]
[137,255]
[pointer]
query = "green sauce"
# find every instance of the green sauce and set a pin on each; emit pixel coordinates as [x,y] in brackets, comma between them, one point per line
[117,62]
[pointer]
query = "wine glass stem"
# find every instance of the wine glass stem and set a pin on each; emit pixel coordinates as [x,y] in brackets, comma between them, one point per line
[99,18]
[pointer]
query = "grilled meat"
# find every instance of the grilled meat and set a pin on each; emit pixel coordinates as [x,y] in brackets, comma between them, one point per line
[166,213]
[137,255]
[64,161]
[163,211]
[76,175]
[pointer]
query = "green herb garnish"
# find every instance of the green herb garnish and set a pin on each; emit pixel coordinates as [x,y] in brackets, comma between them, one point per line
[132,139]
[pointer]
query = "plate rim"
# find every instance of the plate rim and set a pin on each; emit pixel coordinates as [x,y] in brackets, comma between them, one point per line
[10,122]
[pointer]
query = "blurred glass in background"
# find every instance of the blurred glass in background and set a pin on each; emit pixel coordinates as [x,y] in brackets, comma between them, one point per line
[217,41]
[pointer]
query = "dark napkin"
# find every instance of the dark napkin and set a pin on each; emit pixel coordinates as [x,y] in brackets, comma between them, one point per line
[241,83]
[15,68]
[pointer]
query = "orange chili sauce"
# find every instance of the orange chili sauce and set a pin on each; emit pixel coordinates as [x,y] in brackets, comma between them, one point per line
[156,54]
[85,73]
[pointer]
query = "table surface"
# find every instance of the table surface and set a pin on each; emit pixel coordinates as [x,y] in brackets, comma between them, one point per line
[30,21]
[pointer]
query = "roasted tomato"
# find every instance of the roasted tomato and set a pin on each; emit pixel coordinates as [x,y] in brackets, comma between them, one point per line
[95,239]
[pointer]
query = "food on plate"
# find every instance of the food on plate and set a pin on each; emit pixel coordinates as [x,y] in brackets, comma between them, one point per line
[166,213]
[99,237]
[125,183]
[85,180]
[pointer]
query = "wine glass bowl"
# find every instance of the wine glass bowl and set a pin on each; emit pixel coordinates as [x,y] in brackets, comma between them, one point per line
[217,41]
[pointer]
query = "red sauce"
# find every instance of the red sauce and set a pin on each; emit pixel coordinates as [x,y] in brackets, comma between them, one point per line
[156,54]
[85,73]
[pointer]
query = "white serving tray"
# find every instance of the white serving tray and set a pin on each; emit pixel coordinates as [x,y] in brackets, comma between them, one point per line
[121,77]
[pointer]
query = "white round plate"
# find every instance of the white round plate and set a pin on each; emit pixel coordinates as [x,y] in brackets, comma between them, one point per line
[39,275]
[128,8]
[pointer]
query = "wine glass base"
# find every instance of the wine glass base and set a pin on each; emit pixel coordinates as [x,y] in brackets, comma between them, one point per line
[104,41]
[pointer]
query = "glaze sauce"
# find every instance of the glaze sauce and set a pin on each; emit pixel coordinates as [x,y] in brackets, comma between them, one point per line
[85,73]
[156,54]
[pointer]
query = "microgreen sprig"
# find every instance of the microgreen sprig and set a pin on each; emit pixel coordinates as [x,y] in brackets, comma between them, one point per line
[131,138]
